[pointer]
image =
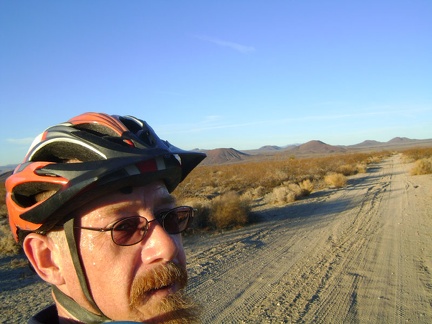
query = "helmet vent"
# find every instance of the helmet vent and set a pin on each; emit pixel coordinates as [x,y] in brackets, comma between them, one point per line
[97,129]
[61,152]
[30,193]
[140,129]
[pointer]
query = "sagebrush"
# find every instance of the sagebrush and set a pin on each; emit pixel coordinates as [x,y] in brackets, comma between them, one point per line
[422,158]
[335,180]
[229,210]
[422,166]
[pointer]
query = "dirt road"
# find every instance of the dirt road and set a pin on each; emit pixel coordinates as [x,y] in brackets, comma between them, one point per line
[362,254]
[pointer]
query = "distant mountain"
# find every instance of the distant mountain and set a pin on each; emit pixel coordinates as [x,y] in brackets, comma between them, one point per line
[224,155]
[401,140]
[397,142]
[270,148]
[367,143]
[317,147]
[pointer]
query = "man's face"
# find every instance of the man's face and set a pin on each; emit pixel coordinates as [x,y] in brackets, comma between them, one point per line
[138,282]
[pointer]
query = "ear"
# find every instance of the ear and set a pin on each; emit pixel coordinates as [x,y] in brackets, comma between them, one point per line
[41,251]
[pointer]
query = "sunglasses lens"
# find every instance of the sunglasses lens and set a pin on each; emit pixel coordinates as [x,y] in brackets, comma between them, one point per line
[177,220]
[129,231]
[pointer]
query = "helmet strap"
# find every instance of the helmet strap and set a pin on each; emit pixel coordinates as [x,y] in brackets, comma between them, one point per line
[77,311]
[67,302]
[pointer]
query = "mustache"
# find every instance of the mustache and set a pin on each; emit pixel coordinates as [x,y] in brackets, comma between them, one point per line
[164,275]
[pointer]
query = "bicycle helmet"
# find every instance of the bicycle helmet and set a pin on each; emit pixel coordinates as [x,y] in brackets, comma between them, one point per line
[84,158]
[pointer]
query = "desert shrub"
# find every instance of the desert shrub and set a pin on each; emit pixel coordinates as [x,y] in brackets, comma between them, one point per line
[422,166]
[302,189]
[253,193]
[281,195]
[422,158]
[336,180]
[295,188]
[347,169]
[307,187]
[361,167]
[229,210]
[290,192]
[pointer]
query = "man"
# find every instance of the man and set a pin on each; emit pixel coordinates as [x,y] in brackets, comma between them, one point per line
[92,208]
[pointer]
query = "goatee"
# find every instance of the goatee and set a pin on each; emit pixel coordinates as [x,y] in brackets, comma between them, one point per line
[174,308]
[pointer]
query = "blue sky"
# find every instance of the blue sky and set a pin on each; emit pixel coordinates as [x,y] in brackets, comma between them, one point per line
[209,74]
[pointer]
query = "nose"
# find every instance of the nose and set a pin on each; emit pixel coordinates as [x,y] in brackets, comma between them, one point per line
[159,246]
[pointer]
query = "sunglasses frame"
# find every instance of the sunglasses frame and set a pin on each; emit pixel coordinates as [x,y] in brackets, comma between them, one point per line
[159,217]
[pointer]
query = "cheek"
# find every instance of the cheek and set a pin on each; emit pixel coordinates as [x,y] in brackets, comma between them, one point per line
[96,254]
[109,274]
[87,242]
[181,252]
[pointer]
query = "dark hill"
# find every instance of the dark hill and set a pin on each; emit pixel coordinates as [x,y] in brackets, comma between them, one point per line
[400,140]
[224,155]
[367,143]
[317,147]
[270,148]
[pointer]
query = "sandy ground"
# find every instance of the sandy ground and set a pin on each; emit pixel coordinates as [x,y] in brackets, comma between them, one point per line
[362,254]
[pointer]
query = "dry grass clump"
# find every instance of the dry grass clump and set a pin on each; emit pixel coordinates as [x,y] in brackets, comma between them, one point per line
[422,166]
[347,169]
[254,193]
[281,195]
[225,211]
[422,158]
[335,180]
[229,210]
[290,192]
[361,168]
[307,187]
[351,169]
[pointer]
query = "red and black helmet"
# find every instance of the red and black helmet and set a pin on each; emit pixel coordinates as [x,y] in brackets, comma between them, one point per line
[84,158]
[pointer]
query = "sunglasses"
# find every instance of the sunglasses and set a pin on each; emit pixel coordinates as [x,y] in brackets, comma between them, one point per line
[131,230]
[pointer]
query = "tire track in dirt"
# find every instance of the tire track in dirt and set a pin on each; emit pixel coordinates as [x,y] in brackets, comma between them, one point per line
[251,278]
[347,243]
